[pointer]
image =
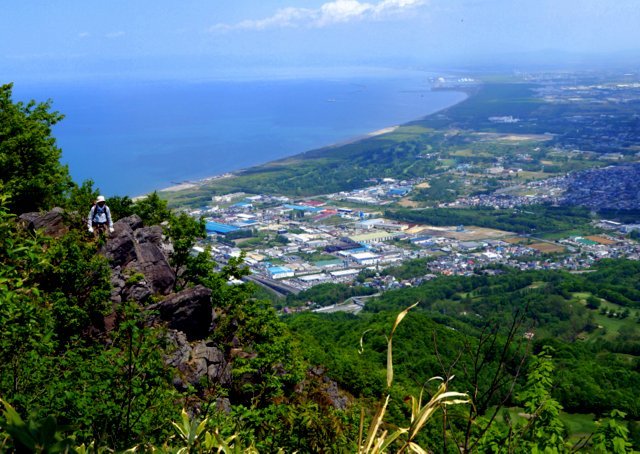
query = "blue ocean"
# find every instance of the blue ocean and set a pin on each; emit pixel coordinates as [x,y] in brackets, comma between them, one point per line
[134,137]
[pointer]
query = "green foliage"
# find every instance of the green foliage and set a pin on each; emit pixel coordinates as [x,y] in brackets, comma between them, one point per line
[408,269]
[81,198]
[116,395]
[612,435]
[593,302]
[120,206]
[77,282]
[544,431]
[270,365]
[184,231]
[152,209]
[41,436]
[30,171]
[26,327]
[378,438]
[441,189]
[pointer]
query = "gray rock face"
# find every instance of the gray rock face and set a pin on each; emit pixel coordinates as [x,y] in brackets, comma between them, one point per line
[132,249]
[120,248]
[199,364]
[322,389]
[51,223]
[151,234]
[139,291]
[151,262]
[133,222]
[188,311]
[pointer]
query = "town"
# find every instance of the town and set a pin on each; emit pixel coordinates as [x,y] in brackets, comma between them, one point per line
[291,245]
[488,176]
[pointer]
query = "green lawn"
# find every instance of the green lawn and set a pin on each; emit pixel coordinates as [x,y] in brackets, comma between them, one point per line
[610,325]
[578,424]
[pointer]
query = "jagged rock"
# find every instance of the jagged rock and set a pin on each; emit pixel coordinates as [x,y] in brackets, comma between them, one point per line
[188,311]
[51,223]
[120,248]
[322,389]
[134,249]
[139,292]
[151,234]
[196,364]
[151,262]
[181,349]
[133,222]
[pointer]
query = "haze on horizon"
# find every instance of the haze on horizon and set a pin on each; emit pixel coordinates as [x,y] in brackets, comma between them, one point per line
[41,40]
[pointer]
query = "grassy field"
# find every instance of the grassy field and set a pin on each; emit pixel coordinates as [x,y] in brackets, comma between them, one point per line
[578,425]
[610,325]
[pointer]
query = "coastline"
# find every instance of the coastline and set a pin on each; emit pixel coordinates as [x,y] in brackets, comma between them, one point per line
[187,184]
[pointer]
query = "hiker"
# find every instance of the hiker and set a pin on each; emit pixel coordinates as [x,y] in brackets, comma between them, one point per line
[100,217]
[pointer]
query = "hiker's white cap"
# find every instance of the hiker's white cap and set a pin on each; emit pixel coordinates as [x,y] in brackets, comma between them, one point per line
[100,199]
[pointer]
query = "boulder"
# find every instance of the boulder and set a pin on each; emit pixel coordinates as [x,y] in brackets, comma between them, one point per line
[196,364]
[151,234]
[120,248]
[322,390]
[139,292]
[133,222]
[51,223]
[151,261]
[134,248]
[188,311]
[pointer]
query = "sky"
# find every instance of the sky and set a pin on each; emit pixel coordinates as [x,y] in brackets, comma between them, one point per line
[42,39]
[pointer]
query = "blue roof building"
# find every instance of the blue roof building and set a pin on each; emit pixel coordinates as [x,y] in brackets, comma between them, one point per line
[303,208]
[280,272]
[217,227]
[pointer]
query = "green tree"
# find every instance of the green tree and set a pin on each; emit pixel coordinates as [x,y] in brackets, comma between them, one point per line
[77,283]
[120,206]
[612,435]
[184,231]
[152,209]
[30,170]
[544,432]
[594,302]
[26,327]
[81,198]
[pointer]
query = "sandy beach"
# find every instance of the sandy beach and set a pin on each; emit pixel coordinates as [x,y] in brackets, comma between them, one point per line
[378,132]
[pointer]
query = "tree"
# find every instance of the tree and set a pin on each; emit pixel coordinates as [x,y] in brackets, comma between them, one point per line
[152,209]
[120,206]
[612,435]
[184,231]
[594,302]
[30,170]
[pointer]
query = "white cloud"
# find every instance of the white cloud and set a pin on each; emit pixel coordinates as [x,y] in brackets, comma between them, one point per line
[333,12]
[117,34]
[84,34]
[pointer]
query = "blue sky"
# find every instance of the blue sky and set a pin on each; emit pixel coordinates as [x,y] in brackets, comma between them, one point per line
[200,38]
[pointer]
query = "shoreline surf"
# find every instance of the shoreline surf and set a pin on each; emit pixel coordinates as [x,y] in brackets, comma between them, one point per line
[189,184]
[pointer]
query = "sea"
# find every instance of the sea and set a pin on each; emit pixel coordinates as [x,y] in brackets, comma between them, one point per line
[134,137]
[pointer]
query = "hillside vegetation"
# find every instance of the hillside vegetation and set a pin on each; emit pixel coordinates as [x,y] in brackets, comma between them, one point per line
[131,341]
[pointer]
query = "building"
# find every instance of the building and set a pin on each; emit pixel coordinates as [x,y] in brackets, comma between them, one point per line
[280,272]
[374,237]
[218,227]
[365,258]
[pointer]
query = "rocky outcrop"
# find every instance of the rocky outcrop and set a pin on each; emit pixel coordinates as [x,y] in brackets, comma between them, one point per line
[133,249]
[140,272]
[322,390]
[52,223]
[151,261]
[198,364]
[189,311]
